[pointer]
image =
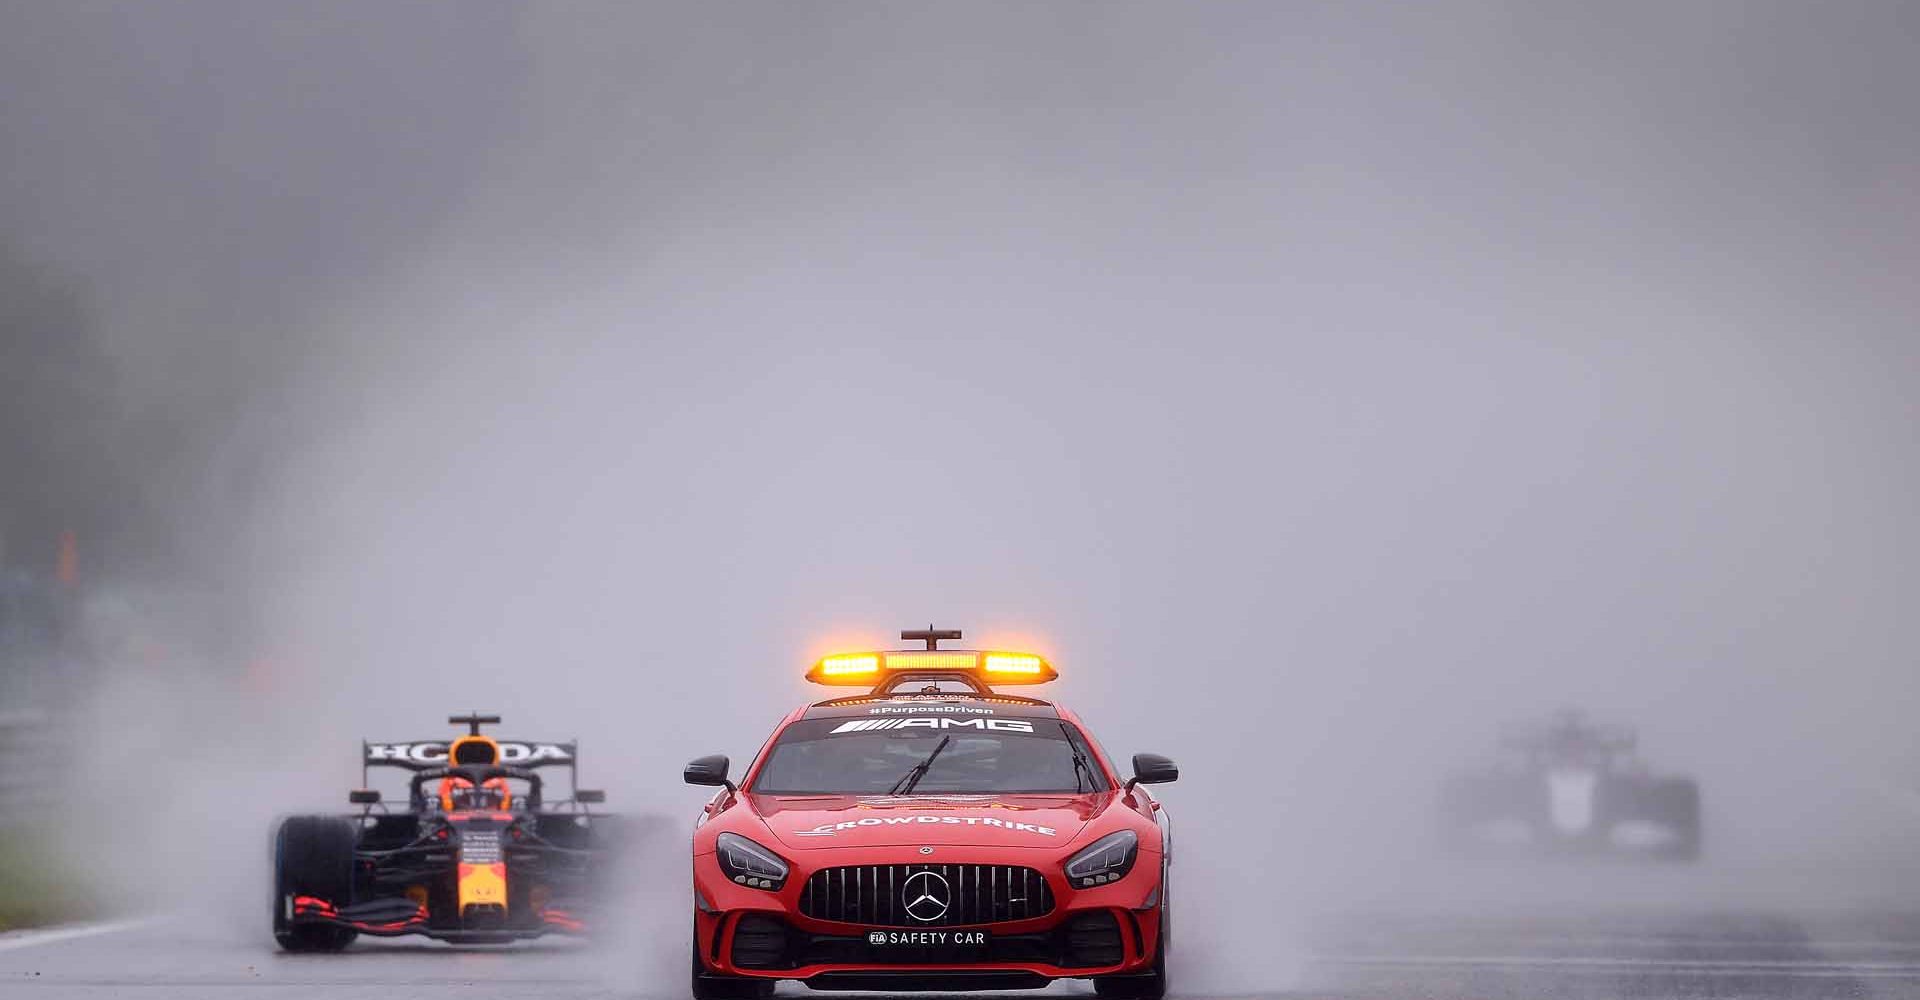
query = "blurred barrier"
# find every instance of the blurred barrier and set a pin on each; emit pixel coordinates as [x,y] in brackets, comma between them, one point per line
[29,764]
[40,880]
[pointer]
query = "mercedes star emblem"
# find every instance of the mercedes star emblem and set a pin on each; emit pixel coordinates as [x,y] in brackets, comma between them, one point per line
[927,896]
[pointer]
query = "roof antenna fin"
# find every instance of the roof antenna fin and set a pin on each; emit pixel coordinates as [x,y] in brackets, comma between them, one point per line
[930,634]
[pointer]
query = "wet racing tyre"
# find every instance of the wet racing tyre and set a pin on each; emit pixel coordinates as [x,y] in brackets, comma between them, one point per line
[313,856]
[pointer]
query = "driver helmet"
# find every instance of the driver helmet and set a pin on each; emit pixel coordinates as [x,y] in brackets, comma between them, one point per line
[458,794]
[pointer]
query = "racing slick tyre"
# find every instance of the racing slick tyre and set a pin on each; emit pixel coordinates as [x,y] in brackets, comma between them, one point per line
[713,986]
[1153,984]
[313,856]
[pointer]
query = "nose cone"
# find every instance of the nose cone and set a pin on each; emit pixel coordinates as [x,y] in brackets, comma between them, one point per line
[1570,795]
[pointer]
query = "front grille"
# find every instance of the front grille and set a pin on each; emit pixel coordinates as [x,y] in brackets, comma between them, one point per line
[975,894]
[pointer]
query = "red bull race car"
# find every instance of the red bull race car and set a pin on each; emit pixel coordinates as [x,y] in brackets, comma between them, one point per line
[482,851]
[931,833]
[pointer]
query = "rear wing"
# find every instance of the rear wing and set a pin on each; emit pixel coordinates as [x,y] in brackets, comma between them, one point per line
[426,755]
[431,755]
[1614,740]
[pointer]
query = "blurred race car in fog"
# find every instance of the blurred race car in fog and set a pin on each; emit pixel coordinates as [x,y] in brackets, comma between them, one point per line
[479,853]
[1571,788]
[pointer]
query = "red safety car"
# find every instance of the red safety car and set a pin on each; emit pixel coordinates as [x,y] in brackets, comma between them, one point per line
[931,833]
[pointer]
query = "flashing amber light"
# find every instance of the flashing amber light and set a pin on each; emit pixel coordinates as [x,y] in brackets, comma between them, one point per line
[1014,664]
[915,659]
[846,668]
[869,668]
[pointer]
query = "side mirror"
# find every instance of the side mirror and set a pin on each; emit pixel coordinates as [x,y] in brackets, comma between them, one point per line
[364,797]
[589,796]
[710,770]
[1153,769]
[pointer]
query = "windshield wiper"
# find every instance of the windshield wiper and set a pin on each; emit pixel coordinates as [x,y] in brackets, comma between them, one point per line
[1080,765]
[905,785]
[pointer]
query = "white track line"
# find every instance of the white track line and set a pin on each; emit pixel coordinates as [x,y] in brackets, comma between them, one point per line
[1655,942]
[1803,967]
[15,940]
[1624,941]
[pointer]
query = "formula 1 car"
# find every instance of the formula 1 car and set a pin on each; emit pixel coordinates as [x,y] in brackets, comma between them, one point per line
[1572,788]
[931,834]
[479,853]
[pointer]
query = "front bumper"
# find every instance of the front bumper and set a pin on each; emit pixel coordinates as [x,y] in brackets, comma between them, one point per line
[1110,930]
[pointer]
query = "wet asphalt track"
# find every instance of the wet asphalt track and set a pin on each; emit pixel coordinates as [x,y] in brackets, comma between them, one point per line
[1623,954]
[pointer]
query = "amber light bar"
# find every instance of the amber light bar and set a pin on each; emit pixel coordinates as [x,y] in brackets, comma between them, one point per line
[870,668]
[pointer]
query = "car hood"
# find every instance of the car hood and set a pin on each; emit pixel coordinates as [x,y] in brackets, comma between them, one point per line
[810,822]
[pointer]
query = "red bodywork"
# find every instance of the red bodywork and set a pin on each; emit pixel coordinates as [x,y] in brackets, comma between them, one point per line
[1040,832]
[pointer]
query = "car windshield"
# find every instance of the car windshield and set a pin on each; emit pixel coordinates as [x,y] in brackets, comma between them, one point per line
[864,757]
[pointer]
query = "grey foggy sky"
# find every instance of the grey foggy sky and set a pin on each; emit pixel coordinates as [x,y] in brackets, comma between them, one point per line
[1407,368]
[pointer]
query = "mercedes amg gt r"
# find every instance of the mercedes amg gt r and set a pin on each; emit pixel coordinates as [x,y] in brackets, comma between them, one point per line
[931,833]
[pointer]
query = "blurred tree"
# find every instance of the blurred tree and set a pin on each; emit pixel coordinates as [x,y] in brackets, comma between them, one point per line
[59,420]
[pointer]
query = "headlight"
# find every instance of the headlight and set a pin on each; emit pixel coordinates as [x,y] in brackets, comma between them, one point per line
[749,864]
[1108,859]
